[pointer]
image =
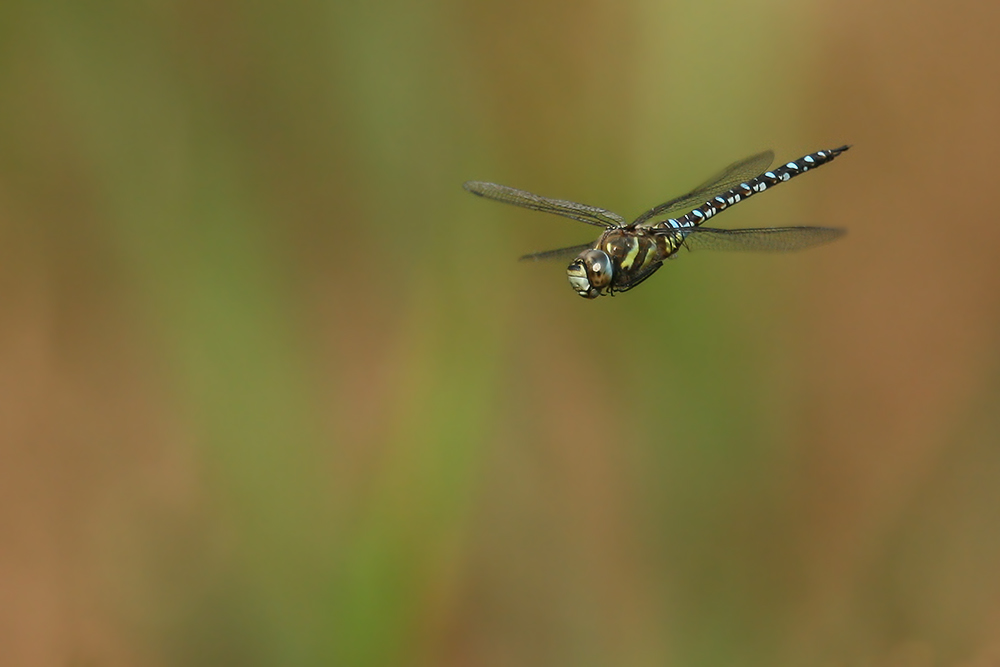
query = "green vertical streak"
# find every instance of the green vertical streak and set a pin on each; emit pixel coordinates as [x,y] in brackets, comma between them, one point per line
[184,219]
[292,587]
[406,536]
[396,63]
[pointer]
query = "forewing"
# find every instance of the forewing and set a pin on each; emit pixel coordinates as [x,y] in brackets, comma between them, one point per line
[767,239]
[728,178]
[560,253]
[592,215]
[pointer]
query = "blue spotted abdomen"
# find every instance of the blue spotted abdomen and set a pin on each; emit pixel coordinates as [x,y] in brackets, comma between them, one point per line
[751,187]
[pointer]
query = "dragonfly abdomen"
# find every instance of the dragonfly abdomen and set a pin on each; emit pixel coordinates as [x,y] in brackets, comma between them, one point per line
[760,183]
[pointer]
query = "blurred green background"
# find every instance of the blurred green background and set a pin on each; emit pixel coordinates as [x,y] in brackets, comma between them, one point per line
[274,390]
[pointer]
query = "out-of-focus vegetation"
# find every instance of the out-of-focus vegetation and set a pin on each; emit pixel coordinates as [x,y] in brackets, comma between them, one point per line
[274,390]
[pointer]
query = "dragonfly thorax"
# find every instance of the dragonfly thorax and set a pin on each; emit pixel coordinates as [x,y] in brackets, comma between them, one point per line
[621,259]
[590,273]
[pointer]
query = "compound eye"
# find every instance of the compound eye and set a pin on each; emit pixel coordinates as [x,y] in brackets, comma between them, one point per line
[599,268]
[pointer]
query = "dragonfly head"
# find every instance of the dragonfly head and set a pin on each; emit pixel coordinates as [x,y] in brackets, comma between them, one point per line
[590,273]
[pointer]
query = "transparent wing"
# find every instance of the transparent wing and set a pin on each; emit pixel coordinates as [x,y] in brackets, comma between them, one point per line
[767,239]
[592,215]
[560,253]
[730,177]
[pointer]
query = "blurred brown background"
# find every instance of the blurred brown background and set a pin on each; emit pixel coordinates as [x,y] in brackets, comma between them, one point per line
[274,390]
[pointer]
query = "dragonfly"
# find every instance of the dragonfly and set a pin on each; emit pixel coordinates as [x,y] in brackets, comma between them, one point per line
[627,253]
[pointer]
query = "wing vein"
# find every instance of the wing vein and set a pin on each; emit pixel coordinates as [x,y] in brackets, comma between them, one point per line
[592,215]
